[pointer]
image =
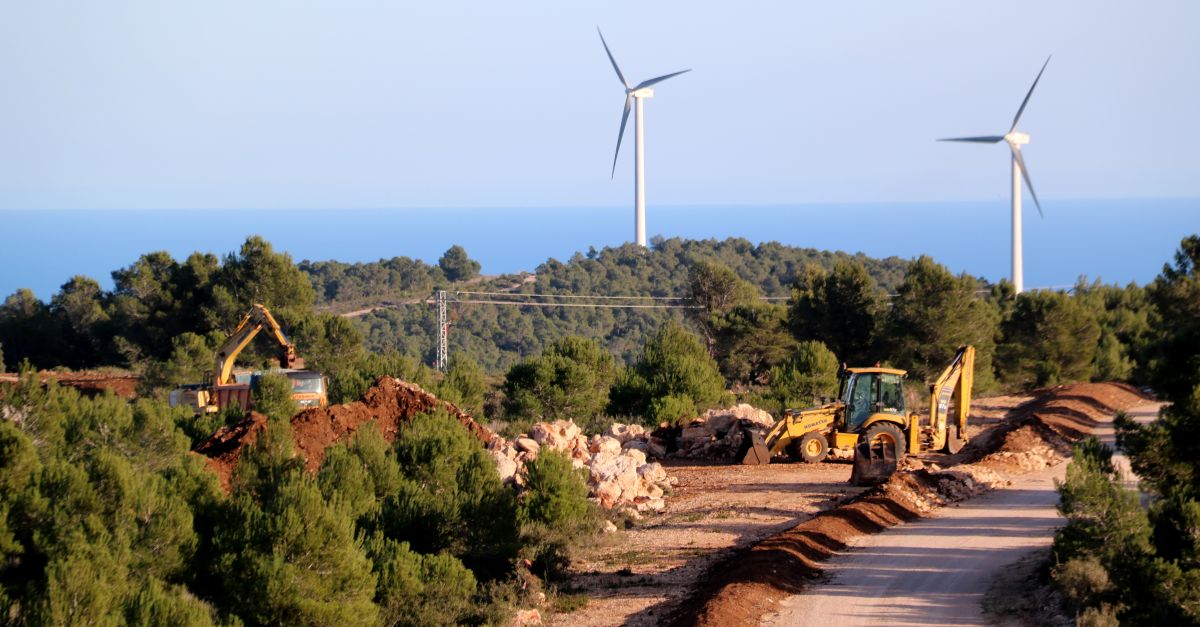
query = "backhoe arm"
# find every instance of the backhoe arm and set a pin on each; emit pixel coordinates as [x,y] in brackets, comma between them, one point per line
[254,321]
[954,384]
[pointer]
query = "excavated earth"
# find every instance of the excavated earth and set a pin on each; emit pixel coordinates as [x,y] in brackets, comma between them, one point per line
[741,588]
[89,382]
[733,538]
[388,404]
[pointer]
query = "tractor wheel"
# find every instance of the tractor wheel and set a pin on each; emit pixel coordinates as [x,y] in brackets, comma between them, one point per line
[813,447]
[889,434]
[954,440]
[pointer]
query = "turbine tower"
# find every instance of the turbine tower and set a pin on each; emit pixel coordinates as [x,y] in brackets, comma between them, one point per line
[635,94]
[1015,140]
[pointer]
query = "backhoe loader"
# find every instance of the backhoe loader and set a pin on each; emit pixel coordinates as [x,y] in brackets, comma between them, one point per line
[871,418]
[224,387]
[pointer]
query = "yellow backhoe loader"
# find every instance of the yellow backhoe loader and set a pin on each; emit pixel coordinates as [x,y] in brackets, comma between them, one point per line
[224,387]
[871,418]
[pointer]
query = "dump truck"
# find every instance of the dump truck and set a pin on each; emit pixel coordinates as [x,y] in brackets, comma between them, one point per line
[224,387]
[871,418]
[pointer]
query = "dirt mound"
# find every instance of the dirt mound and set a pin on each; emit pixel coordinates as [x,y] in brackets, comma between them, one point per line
[90,383]
[743,587]
[388,404]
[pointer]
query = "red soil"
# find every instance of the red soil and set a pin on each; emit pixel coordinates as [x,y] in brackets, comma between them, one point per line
[387,405]
[88,382]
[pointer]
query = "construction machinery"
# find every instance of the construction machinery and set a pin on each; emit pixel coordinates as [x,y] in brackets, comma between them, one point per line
[224,387]
[870,417]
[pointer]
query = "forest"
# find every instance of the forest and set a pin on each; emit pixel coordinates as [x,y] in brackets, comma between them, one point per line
[421,531]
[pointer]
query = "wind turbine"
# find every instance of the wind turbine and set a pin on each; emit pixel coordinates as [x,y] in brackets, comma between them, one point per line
[637,94]
[1015,140]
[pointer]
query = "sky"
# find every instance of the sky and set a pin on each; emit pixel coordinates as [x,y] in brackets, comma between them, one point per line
[360,104]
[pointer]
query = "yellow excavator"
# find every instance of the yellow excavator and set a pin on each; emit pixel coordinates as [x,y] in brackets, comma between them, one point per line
[224,387]
[871,418]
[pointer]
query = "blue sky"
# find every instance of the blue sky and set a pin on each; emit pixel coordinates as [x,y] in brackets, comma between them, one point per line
[385,104]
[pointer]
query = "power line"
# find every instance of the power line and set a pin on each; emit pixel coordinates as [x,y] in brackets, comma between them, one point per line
[609,306]
[599,297]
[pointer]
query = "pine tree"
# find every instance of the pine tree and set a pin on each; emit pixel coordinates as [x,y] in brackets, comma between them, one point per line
[839,308]
[285,554]
[674,363]
[933,314]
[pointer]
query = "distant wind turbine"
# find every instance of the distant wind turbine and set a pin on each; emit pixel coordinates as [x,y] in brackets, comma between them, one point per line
[1015,140]
[636,93]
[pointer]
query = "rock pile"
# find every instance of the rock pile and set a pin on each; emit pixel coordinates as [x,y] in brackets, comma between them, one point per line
[620,473]
[718,433]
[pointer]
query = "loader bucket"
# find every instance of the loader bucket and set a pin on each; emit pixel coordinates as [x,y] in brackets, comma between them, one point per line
[754,449]
[873,464]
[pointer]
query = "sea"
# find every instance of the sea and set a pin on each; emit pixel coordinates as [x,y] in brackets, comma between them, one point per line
[1115,241]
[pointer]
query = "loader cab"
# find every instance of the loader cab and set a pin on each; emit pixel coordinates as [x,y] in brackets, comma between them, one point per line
[870,391]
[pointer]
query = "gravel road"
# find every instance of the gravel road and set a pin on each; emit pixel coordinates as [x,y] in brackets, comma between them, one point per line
[935,571]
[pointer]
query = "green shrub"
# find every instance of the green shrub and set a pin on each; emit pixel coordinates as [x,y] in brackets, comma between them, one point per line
[449,497]
[569,381]
[555,513]
[671,410]
[1082,580]
[416,589]
[273,396]
[556,494]
[811,373]
[673,363]
[464,386]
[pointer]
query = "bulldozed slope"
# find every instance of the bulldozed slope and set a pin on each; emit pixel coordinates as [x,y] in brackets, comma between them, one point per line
[88,382]
[743,587]
[388,404]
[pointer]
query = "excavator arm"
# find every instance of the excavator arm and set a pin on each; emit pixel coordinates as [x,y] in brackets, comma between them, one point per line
[258,318]
[949,428]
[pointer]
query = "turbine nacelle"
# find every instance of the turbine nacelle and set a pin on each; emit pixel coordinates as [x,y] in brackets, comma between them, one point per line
[644,92]
[1017,138]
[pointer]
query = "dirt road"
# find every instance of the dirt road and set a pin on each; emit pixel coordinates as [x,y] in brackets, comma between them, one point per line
[936,570]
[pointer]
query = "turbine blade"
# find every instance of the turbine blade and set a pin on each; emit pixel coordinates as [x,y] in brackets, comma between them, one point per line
[987,139]
[1025,173]
[612,60]
[1026,101]
[620,134]
[655,81]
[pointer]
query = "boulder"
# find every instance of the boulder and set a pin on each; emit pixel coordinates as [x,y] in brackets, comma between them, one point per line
[720,423]
[605,444]
[527,445]
[624,432]
[652,472]
[619,471]
[506,466]
[696,433]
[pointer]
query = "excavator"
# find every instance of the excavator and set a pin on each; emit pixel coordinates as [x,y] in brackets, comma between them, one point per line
[223,387]
[871,418]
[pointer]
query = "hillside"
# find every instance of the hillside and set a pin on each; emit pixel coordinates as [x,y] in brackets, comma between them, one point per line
[498,336]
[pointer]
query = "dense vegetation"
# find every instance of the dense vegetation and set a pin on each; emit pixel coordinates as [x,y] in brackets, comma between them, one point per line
[105,517]
[1117,560]
[498,336]
[770,319]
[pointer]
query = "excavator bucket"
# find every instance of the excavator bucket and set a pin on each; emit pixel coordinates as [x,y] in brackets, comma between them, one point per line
[754,449]
[873,464]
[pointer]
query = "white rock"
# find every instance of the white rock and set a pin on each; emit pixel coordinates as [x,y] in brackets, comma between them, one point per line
[504,465]
[527,445]
[654,473]
[607,445]
[609,527]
